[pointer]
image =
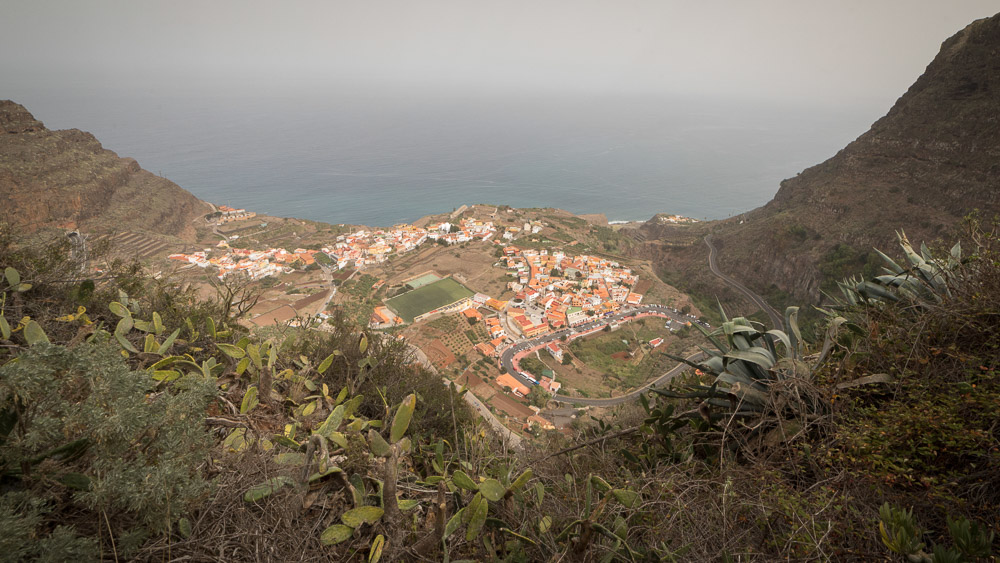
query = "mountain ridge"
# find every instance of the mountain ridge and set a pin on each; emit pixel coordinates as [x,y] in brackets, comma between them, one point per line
[67,179]
[932,159]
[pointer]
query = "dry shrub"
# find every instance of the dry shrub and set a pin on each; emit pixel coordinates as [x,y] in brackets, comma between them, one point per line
[226,528]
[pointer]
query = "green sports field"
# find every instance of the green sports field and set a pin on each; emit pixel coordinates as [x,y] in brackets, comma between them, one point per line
[427,298]
[423,280]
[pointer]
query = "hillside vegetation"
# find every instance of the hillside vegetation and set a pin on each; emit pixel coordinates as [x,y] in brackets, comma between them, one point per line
[139,423]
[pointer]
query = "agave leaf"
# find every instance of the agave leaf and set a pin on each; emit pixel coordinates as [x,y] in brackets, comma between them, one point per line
[210,327]
[872,291]
[925,252]
[157,323]
[780,335]
[747,393]
[792,323]
[831,331]
[149,345]
[748,371]
[4,328]
[756,355]
[711,338]
[732,378]
[912,257]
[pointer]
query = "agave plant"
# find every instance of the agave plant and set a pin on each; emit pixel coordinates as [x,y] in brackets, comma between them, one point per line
[758,375]
[926,279]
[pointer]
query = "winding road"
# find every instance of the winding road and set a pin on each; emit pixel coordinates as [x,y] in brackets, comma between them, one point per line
[521,349]
[526,347]
[776,320]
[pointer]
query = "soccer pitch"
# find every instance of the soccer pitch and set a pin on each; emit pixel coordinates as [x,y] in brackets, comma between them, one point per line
[427,298]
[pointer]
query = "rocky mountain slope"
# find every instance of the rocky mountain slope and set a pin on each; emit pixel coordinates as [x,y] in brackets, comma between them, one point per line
[925,165]
[66,179]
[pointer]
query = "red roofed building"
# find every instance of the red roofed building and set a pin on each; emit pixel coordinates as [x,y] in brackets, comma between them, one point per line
[555,350]
[549,384]
[499,344]
[516,387]
[536,330]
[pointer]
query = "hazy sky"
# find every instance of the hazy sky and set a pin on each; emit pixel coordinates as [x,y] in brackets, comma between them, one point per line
[840,52]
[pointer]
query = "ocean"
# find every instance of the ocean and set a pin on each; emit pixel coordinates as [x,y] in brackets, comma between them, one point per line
[384,159]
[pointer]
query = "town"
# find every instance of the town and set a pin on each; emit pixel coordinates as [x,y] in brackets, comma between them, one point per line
[545,298]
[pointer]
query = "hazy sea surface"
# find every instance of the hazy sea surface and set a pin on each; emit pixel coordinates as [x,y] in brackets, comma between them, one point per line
[380,160]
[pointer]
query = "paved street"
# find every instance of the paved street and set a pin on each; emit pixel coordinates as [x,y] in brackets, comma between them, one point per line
[776,320]
[513,354]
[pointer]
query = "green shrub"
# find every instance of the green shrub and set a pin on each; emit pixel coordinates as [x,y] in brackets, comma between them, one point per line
[81,417]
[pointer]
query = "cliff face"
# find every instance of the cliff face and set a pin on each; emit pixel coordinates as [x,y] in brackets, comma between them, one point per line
[67,179]
[925,165]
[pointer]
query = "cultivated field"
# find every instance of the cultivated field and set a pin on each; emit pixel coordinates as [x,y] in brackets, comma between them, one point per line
[427,298]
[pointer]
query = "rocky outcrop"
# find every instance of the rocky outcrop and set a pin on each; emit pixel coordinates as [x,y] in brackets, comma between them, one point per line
[67,179]
[931,160]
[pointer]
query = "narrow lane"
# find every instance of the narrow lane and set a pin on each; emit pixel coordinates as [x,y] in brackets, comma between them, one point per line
[523,348]
[776,320]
